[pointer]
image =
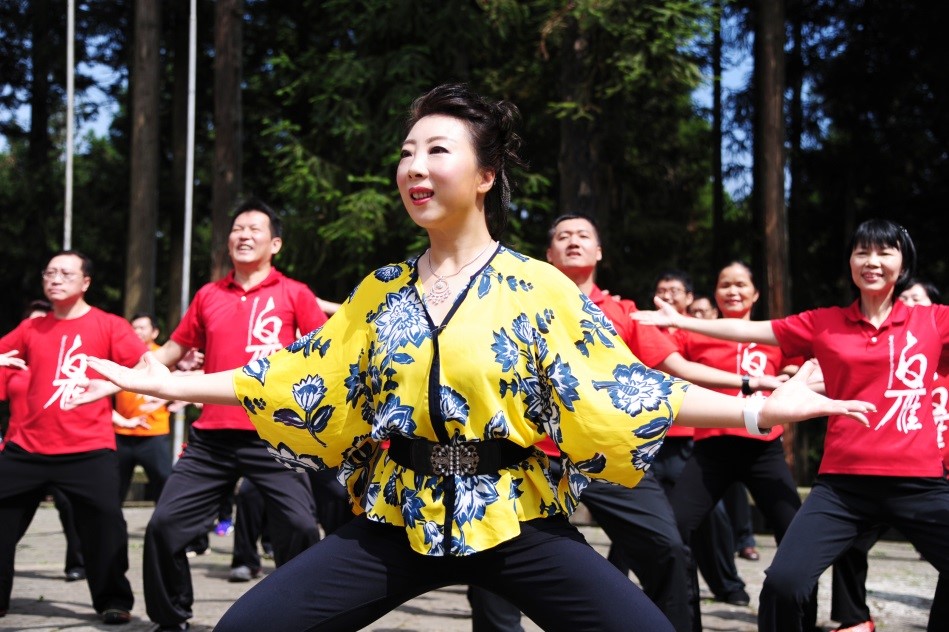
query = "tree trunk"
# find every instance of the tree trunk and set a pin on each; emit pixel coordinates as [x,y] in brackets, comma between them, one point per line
[143,187]
[227,126]
[40,146]
[718,190]
[769,153]
[769,162]
[576,153]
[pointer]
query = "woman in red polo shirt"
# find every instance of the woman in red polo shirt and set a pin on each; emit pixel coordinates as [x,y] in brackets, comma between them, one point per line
[878,350]
[724,456]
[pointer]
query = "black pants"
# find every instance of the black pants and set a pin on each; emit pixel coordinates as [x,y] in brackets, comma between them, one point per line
[640,524]
[332,511]
[89,480]
[365,569]
[152,453]
[839,509]
[208,469]
[713,542]
[719,462]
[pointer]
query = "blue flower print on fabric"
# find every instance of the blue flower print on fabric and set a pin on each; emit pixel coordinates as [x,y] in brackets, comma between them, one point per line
[296,462]
[490,277]
[473,494]
[637,388]
[412,505]
[453,406]
[257,369]
[400,320]
[308,393]
[497,427]
[388,273]
[643,456]
[310,343]
[594,327]
[434,538]
[391,417]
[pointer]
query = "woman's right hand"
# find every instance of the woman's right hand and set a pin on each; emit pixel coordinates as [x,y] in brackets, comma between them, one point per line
[664,316]
[8,359]
[147,381]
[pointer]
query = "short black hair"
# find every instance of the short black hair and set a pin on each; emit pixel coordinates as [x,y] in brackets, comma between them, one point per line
[85,265]
[675,275]
[568,216]
[882,233]
[256,204]
[150,317]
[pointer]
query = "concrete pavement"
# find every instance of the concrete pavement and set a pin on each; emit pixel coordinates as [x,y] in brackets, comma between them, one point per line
[900,588]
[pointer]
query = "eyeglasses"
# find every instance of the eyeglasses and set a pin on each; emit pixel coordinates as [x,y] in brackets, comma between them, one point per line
[670,291]
[52,273]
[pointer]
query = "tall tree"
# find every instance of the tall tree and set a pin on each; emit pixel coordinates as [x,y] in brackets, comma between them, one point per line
[228,128]
[769,152]
[143,182]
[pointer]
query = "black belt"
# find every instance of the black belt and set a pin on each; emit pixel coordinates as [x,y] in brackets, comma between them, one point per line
[465,458]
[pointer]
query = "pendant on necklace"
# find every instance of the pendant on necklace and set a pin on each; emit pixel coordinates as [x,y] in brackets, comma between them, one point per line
[439,293]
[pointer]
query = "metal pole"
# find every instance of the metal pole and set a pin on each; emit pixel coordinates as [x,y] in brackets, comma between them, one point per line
[189,197]
[70,95]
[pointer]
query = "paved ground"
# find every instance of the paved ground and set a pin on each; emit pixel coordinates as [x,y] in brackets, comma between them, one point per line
[900,588]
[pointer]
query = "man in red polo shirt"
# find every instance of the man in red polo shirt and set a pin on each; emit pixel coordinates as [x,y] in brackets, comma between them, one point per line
[252,312]
[72,448]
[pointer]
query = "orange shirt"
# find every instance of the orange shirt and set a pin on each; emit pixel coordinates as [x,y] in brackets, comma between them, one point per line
[129,405]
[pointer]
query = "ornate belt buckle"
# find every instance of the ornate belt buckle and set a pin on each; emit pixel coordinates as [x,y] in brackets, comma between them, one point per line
[456,459]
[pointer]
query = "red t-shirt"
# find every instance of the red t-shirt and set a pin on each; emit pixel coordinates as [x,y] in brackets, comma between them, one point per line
[56,352]
[891,366]
[739,358]
[940,395]
[234,326]
[13,385]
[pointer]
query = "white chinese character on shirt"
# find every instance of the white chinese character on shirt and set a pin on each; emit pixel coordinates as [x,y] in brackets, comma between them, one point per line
[909,370]
[263,333]
[940,414]
[72,367]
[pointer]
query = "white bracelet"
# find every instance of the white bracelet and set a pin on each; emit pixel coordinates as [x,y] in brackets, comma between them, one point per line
[751,413]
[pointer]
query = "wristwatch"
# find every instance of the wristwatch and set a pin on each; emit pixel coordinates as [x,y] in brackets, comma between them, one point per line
[746,385]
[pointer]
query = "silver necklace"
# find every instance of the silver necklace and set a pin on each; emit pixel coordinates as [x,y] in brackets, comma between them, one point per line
[440,290]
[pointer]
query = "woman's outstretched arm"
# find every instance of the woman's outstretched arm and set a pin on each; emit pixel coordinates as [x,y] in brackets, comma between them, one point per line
[793,401]
[156,380]
[736,329]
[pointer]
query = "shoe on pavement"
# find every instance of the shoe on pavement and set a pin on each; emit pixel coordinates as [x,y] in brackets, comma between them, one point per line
[184,625]
[866,626]
[224,527]
[116,616]
[268,550]
[749,553]
[243,574]
[75,574]
[737,598]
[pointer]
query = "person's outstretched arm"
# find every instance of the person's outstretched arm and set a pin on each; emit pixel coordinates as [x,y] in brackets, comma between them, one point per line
[736,329]
[156,380]
[793,401]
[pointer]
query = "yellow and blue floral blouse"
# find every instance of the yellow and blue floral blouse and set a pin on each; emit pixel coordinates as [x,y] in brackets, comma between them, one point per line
[522,354]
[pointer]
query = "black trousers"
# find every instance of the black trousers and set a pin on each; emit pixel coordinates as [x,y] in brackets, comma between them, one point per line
[713,542]
[718,463]
[152,453]
[366,569]
[642,529]
[89,480]
[837,512]
[332,511]
[210,466]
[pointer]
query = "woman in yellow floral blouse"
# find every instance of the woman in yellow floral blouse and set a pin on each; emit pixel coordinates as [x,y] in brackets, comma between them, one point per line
[462,359]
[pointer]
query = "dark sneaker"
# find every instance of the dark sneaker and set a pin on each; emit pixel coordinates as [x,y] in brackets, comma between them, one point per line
[115,616]
[75,574]
[184,625]
[737,598]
